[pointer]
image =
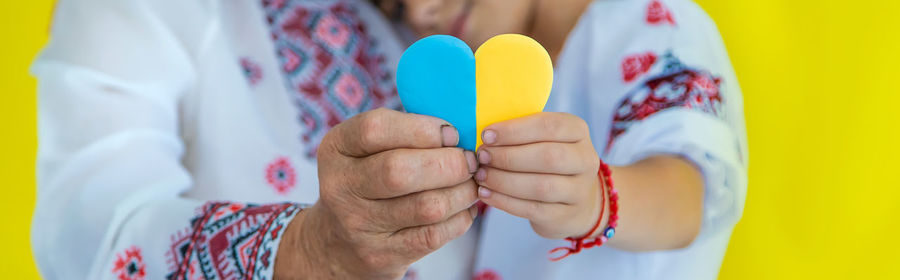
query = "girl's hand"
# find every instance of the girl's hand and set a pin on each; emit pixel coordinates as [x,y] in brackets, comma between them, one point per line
[542,167]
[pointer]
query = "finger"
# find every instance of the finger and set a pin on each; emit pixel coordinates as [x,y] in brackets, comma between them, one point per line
[535,211]
[543,157]
[400,172]
[382,129]
[425,208]
[540,127]
[550,188]
[417,242]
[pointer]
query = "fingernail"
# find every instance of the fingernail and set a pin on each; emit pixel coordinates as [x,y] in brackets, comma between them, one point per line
[484,157]
[484,192]
[449,136]
[481,175]
[473,211]
[471,161]
[489,137]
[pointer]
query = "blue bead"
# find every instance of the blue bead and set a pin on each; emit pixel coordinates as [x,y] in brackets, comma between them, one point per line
[609,232]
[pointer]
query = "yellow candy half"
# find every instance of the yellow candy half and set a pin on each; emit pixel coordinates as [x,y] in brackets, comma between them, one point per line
[513,78]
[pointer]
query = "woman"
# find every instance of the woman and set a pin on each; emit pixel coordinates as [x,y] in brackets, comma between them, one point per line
[171,131]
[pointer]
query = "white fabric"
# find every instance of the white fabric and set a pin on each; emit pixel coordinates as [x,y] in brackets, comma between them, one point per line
[144,115]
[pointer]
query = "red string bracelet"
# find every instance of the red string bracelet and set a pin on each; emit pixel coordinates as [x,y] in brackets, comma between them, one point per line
[581,243]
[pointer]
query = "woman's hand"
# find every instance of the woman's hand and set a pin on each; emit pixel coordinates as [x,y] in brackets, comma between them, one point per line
[393,188]
[542,167]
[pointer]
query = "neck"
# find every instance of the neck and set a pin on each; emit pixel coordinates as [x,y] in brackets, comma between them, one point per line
[552,20]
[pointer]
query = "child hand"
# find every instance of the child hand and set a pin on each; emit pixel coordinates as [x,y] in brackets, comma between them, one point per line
[542,167]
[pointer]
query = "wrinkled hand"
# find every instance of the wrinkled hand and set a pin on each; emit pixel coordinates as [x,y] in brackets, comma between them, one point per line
[393,188]
[542,167]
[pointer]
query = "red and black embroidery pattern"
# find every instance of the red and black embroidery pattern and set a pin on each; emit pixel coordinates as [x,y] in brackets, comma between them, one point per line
[332,65]
[130,265]
[229,241]
[677,87]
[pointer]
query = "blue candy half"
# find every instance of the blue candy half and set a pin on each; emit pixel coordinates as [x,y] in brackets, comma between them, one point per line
[436,77]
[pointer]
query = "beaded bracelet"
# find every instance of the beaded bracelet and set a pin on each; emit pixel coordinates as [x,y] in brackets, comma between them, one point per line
[578,244]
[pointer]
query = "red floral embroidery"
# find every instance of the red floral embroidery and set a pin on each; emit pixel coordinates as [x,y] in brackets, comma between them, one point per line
[633,66]
[130,265]
[487,274]
[657,13]
[677,87]
[281,175]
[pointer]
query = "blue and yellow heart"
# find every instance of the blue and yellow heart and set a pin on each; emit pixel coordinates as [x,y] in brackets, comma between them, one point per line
[509,76]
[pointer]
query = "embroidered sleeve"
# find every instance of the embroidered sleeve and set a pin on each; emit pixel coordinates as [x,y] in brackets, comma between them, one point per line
[230,241]
[677,87]
[220,240]
[681,111]
[111,176]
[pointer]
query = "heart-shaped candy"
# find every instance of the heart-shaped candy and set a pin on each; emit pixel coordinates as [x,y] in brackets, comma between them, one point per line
[514,75]
[510,76]
[436,77]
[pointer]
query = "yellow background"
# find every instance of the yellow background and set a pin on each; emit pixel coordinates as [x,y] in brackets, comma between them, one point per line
[820,88]
[24,31]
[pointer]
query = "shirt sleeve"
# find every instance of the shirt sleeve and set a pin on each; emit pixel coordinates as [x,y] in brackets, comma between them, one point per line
[704,141]
[687,104]
[681,111]
[109,159]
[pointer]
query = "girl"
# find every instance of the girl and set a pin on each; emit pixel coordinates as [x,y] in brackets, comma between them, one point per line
[170,131]
[653,83]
